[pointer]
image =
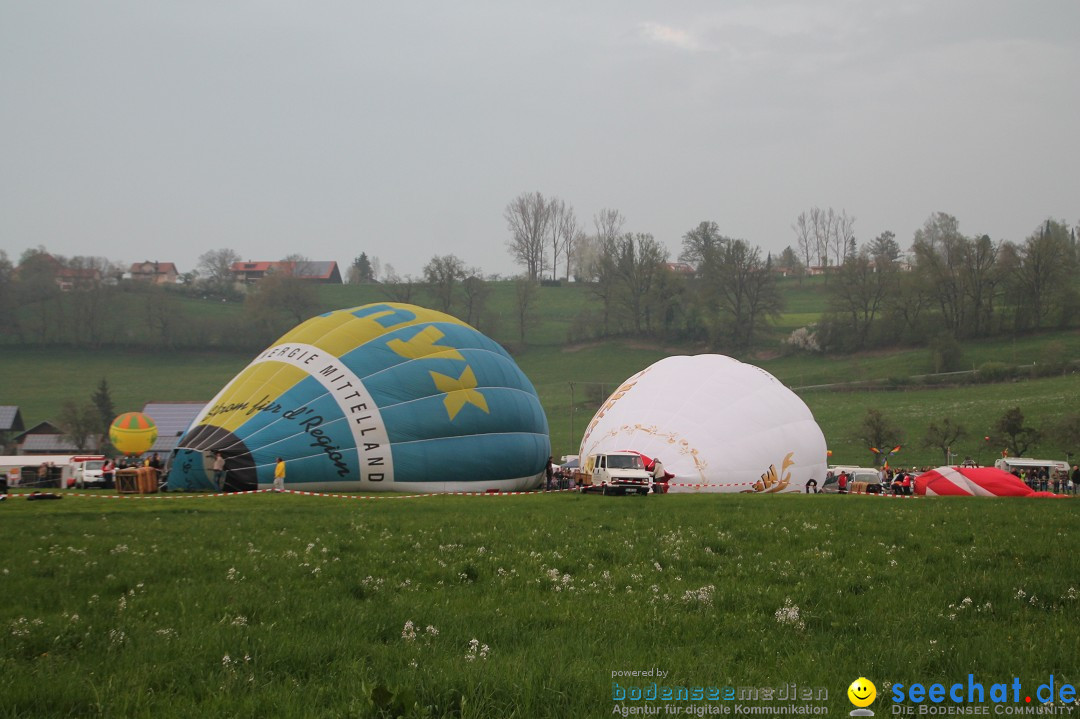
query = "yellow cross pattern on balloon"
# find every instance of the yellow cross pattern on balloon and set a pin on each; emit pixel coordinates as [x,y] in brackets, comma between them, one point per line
[423,344]
[459,392]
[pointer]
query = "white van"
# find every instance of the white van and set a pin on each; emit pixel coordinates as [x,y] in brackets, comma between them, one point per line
[855,474]
[616,473]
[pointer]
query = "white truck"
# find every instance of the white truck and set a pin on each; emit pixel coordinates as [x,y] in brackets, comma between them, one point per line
[615,473]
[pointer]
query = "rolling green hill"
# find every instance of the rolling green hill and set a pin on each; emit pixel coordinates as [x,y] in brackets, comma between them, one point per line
[572,379]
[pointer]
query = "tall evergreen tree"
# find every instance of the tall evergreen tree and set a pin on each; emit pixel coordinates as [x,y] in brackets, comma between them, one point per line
[102,401]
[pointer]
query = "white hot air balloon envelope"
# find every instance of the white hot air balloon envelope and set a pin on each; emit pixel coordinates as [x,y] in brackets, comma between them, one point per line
[717,424]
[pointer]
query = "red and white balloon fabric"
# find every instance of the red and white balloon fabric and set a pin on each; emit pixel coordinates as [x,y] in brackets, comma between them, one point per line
[973,482]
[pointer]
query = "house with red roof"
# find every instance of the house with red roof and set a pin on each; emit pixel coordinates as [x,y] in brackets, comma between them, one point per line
[325,272]
[159,273]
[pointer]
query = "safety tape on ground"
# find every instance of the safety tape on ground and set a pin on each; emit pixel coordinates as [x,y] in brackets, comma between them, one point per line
[135,495]
[306,493]
[720,484]
[208,495]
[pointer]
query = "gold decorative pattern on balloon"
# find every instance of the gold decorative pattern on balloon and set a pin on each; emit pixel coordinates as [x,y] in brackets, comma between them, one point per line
[772,481]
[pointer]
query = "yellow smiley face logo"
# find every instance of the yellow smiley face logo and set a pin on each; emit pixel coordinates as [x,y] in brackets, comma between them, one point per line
[862,692]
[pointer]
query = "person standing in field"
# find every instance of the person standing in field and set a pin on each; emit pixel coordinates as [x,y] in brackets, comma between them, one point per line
[659,475]
[108,470]
[219,471]
[279,475]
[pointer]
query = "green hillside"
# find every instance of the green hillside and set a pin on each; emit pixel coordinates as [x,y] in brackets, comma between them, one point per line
[573,378]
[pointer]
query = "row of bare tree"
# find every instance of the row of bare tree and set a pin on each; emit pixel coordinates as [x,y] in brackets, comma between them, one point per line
[953,284]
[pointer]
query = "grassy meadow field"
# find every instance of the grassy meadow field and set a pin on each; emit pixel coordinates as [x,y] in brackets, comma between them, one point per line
[536,605]
[520,606]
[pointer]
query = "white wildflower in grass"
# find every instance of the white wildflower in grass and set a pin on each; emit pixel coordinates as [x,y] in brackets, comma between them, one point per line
[117,637]
[239,621]
[121,605]
[476,650]
[119,549]
[657,567]
[790,615]
[1021,594]
[166,632]
[431,631]
[232,575]
[408,632]
[20,627]
[702,596]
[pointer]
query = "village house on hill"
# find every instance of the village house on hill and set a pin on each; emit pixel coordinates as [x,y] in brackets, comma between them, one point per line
[159,273]
[66,278]
[250,273]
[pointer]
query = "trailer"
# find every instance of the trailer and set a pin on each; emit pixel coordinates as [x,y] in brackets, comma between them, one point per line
[22,470]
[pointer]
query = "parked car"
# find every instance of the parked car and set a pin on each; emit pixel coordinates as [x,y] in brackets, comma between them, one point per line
[88,473]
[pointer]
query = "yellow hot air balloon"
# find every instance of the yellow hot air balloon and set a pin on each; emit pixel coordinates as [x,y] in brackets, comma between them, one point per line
[133,433]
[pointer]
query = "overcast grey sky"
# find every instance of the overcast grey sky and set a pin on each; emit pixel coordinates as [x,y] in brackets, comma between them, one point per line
[135,129]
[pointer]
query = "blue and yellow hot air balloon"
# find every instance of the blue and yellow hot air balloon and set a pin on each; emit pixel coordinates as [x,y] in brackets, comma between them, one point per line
[383,397]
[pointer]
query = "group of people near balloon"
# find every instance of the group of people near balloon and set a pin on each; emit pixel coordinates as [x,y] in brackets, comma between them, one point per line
[890,481]
[1041,479]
